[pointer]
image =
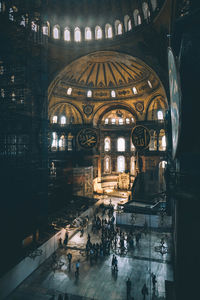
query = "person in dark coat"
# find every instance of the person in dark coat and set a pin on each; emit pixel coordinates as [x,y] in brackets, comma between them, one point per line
[128,288]
[144,291]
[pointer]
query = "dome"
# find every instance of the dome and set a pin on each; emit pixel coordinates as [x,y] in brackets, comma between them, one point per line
[106,74]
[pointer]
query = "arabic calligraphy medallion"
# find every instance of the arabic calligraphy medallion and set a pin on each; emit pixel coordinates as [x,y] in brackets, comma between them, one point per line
[87,138]
[140,137]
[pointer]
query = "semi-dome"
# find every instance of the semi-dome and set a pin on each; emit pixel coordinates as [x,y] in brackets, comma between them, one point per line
[105,74]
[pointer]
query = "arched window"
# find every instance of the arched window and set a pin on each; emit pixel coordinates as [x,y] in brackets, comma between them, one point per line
[61,143]
[106,121]
[107,164]
[118,27]
[146,11]
[160,115]
[113,94]
[126,21]
[77,34]
[45,30]
[54,119]
[88,33]
[113,121]
[54,143]
[153,140]
[154,4]
[121,144]
[129,25]
[120,164]
[127,121]
[162,140]
[107,144]
[132,166]
[89,93]
[136,16]
[63,120]
[56,32]
[108,31]
[121,121]
[98,33]
[67,34]
[69,91]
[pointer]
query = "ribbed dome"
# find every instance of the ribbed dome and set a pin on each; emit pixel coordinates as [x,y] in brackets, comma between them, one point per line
[105,70]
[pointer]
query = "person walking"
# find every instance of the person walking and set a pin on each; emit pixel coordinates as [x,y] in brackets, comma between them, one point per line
[128,288]
[144,291]
[154,280]
[69,256]
[77,268]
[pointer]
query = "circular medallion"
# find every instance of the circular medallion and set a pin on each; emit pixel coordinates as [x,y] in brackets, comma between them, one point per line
[87,138]
[88,109]
[175,101]
[140,137]
[139,106]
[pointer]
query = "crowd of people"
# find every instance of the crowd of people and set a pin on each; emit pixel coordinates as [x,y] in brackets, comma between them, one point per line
[111,238]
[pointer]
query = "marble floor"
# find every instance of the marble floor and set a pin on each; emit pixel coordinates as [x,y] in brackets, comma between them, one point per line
[97,281]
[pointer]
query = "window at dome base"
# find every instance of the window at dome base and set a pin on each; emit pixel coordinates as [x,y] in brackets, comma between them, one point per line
[129,25]
[77,34]
[98,33]
[63,120]
[69,91]
[89,94]
[108,31]
[119,28]
[56,32]
[88,34]
[67,35]
[135,91]
[113,94]
[160,115]
[54,119]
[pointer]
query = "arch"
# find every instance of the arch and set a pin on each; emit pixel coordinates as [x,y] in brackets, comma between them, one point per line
[56,32]
[98,33]
[146,11]
[65,108]
[88,34]
[77,34]
[126,20]
[105,108]
[107,144]
[156,103]
[121,144]
[67,34]
[137,17]
[120,164]
[108,31]
[118,27]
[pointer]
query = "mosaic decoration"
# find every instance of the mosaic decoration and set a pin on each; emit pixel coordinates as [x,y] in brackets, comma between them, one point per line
[88,109]
[139,106]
